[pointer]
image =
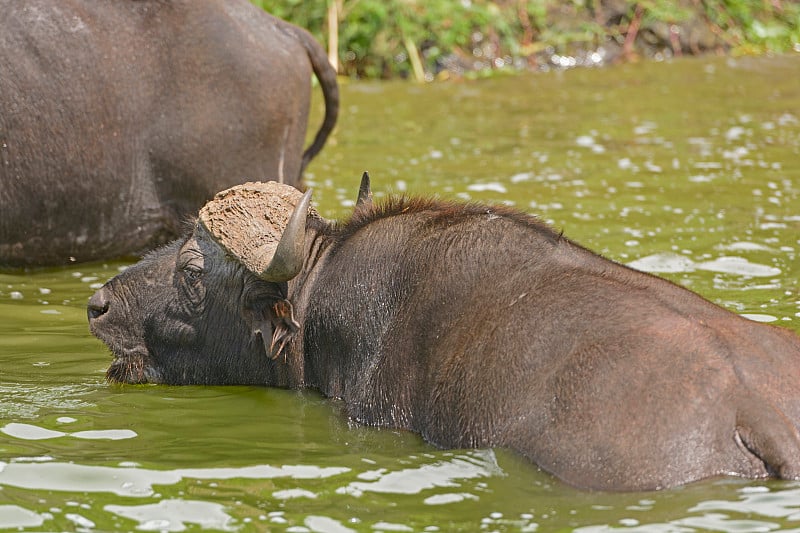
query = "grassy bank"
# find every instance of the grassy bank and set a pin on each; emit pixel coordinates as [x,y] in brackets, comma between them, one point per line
[441,38]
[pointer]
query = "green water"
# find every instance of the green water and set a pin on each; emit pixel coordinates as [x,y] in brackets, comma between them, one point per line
[690,168]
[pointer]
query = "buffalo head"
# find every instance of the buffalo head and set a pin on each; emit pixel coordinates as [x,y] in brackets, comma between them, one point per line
[208,308]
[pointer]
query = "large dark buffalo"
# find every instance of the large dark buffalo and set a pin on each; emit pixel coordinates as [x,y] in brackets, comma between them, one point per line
[118,118]
[472,325]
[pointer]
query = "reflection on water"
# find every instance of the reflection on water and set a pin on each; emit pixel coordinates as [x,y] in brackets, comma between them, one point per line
[688,169]
[735,515]
[132,481]
[14,516]
[175,515]
[676,263]
[759,501]
[31,432]
[416,480]
[21,400]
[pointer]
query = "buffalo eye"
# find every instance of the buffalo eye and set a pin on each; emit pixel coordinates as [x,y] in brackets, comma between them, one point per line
[192,272]
[191,265]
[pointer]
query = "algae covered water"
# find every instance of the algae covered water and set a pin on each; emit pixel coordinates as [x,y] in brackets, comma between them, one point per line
[689,169]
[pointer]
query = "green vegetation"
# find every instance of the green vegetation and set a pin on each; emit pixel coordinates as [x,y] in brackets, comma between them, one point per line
[429,38]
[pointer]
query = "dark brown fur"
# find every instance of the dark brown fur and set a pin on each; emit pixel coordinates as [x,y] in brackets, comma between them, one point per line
[441,212]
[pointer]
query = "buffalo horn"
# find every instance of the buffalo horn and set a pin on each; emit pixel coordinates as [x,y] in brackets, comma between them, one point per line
[364,191]
[290,252]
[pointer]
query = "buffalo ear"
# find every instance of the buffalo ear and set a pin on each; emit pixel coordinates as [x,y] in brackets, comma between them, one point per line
[260,324]
[276,325]
[284,327]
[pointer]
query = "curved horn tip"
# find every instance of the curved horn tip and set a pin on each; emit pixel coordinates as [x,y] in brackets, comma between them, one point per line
[289,254]
[301,205]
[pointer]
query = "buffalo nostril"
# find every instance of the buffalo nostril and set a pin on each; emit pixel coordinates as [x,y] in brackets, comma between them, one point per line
[97,306]
[96,311]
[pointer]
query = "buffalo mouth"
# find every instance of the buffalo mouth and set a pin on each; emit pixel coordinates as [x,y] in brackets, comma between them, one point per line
[132,370]
[132,366]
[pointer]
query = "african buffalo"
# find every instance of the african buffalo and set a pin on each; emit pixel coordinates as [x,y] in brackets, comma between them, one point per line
[120,118]
[472,325]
